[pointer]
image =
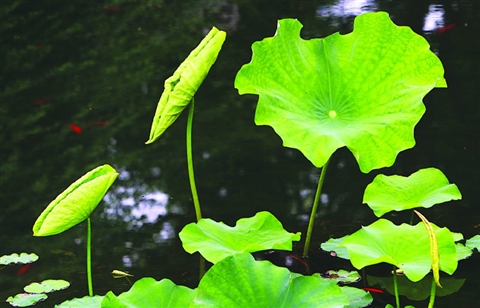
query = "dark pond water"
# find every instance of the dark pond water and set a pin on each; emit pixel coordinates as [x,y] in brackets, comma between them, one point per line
[99,67]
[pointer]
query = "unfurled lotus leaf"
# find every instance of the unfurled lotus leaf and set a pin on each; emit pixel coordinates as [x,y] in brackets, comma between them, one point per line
[47,286]
[15,258]
[76,203]
[405,246]
[216,241]
[147,293]
[474,242]
[423,188]
[362,90]
[240,281]
[180,88]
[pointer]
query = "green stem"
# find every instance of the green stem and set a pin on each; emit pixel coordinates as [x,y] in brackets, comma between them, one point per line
[89,257]
[191,177]
[314,209]
[433,290]
[395,287]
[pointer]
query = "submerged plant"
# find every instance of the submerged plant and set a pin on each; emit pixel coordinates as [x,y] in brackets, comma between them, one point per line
[362,90]
[74,205]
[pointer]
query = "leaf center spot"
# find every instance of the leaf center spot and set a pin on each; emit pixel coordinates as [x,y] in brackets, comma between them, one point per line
[332,114]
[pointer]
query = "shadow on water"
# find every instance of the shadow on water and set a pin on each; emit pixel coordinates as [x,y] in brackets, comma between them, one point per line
[79,86]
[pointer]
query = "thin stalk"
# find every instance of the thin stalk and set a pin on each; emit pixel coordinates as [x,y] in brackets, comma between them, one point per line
[314,208]
[433,291]
[191,176]
[395,287]
[89,257]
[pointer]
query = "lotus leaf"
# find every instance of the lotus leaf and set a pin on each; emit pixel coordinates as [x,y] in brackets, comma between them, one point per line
[216,241]
[334,246]
[147,292]
[341,276]
[417,290]
[405,246]
[76,203]
[357,297]
[185,81]
[362,90]
[23,258]
[47,286]
[240,281]
[26,299]
[86,301]
[423,188]
[474,242]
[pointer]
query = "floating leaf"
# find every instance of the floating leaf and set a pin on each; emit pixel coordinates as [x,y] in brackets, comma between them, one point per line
[47,286]
[215,240]
[15,258]
[240,281]
[147,292]
[25,299]
[423,188]
[405,246]
[341,276]
[76,203]
[474,242]
[180,88]
[86,301]
[362,90]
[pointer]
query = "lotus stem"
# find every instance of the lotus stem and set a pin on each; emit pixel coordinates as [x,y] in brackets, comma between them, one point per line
[395,288]
[191,176]
[314,209]
[89,257]
[433,291]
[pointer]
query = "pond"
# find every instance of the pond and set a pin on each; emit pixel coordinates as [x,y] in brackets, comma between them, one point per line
[79,86]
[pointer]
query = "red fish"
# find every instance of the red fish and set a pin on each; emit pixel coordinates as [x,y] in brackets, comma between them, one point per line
[373,290]
[446,28]
[23,269]
[75,128]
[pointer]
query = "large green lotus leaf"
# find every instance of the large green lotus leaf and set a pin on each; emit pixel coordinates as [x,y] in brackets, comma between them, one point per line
[75,203]
[240,281]
[405,246]
[423,188]
[362,90]
[185,81]
[147,293]
[216,241]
